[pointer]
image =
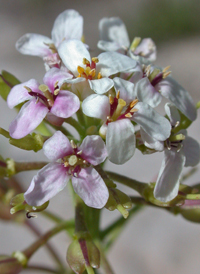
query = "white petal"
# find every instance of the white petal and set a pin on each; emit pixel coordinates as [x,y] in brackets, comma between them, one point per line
[91,188]
[34,44]
[155,125]
[114,29]
[72,53]
[96,106]
[192,151]
[108,46]
[151,142]
[172,113]
[148,49]
[181,98]
[101,86]
[112,62]
[146,93]
[57,147]
[167,184]
[68,25]
[120,141]
[50,180]
[126,88]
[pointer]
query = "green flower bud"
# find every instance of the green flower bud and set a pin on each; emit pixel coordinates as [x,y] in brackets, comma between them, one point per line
[118,200]
[82,255]
[9,265]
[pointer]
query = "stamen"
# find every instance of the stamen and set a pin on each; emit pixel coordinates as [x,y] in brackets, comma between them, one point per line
[166,69]
[165,74]
[99,76]
[118,94]
[56,91]
[73,160]
[80,70]
[79,152]
[135,43]
[128,115]
[56,84]
[95,60]
[133,103]
[73,145]
[133,110]
[86,62]
[28,89]
[92,73]
[111,99]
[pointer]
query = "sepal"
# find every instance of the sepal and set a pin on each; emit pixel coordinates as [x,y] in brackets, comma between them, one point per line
[9,265]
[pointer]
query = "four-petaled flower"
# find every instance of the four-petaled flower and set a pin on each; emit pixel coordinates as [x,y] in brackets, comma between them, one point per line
[75,163]
[42,100]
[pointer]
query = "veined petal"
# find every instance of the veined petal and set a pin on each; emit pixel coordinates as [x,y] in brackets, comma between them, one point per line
[91,188]
[155,125]
[112,62]
[68,25]
[151,142]
[146,93]
[172,113]
[93,150]
[81,88]
[167,184]
[30,116]
[108,46]
[96,106]
[55,75]
[101,86]
[120,141]
[126,88]
[50,180]
[170,89]
[114,29]
[54,120]
[34,44]
[192,151]
[19,93]
[57,147]
[65,104]
[72,53]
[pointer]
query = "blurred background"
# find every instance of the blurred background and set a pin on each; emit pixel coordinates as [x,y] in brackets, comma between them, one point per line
[154,241]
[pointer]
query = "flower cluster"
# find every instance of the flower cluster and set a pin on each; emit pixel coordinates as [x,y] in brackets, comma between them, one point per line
[112,98]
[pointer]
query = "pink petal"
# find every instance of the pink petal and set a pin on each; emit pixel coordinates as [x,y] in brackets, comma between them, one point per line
[65,104]
[54,120]
[57,146]
[91,188]
[29,117]
[93,150]
[50,180]
[19,93]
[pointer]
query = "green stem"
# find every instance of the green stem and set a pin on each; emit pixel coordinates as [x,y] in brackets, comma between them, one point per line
[48,245]
[28,252]
[134,184]
[62,129]
[104,262]
[92,218]
[51,216]
[4,132]
[25,166]
[81,117]
[76,125]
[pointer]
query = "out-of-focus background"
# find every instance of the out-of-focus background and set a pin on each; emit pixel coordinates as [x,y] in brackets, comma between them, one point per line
[154,241]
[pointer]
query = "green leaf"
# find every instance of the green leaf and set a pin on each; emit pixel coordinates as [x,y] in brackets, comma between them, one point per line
[7,81]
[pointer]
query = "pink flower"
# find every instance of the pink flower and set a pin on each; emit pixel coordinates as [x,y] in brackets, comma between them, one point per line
[42,100]
[75,163]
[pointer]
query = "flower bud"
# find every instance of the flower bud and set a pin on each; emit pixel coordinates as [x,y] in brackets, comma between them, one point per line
[9,265]
[18,202]
[118,200]
[82,255]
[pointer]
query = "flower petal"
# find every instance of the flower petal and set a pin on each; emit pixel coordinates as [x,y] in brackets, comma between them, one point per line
[19,93]
[172,113]
[155,125]
[167,184]
[91,188]
[93,150]
[151,142]
[192,151]
[108,46]
[148,49]
[96,106]
[54,120]
[50,180]
[56,76]
[146,93]
[72,53]
[57,147]
[30,116]
[171,90]
[65,104]
[101,86]
[34,44]
[114,29]
[120,141]
[112,62]
[68,25]
[126,88]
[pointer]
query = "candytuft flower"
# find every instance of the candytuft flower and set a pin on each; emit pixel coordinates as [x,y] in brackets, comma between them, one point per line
[43,100]
[75,163]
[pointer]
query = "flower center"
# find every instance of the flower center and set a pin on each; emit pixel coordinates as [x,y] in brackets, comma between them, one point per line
[47,98]
[89,71]
[156,75]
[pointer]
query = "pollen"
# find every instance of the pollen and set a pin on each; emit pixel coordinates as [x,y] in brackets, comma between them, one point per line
[80,70]
[86,62]
[95,60]
[111,99]
[99,76]
[133,103]
[128,115]
[28,89]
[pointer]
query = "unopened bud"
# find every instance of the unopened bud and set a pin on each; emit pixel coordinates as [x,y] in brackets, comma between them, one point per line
[9,265]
